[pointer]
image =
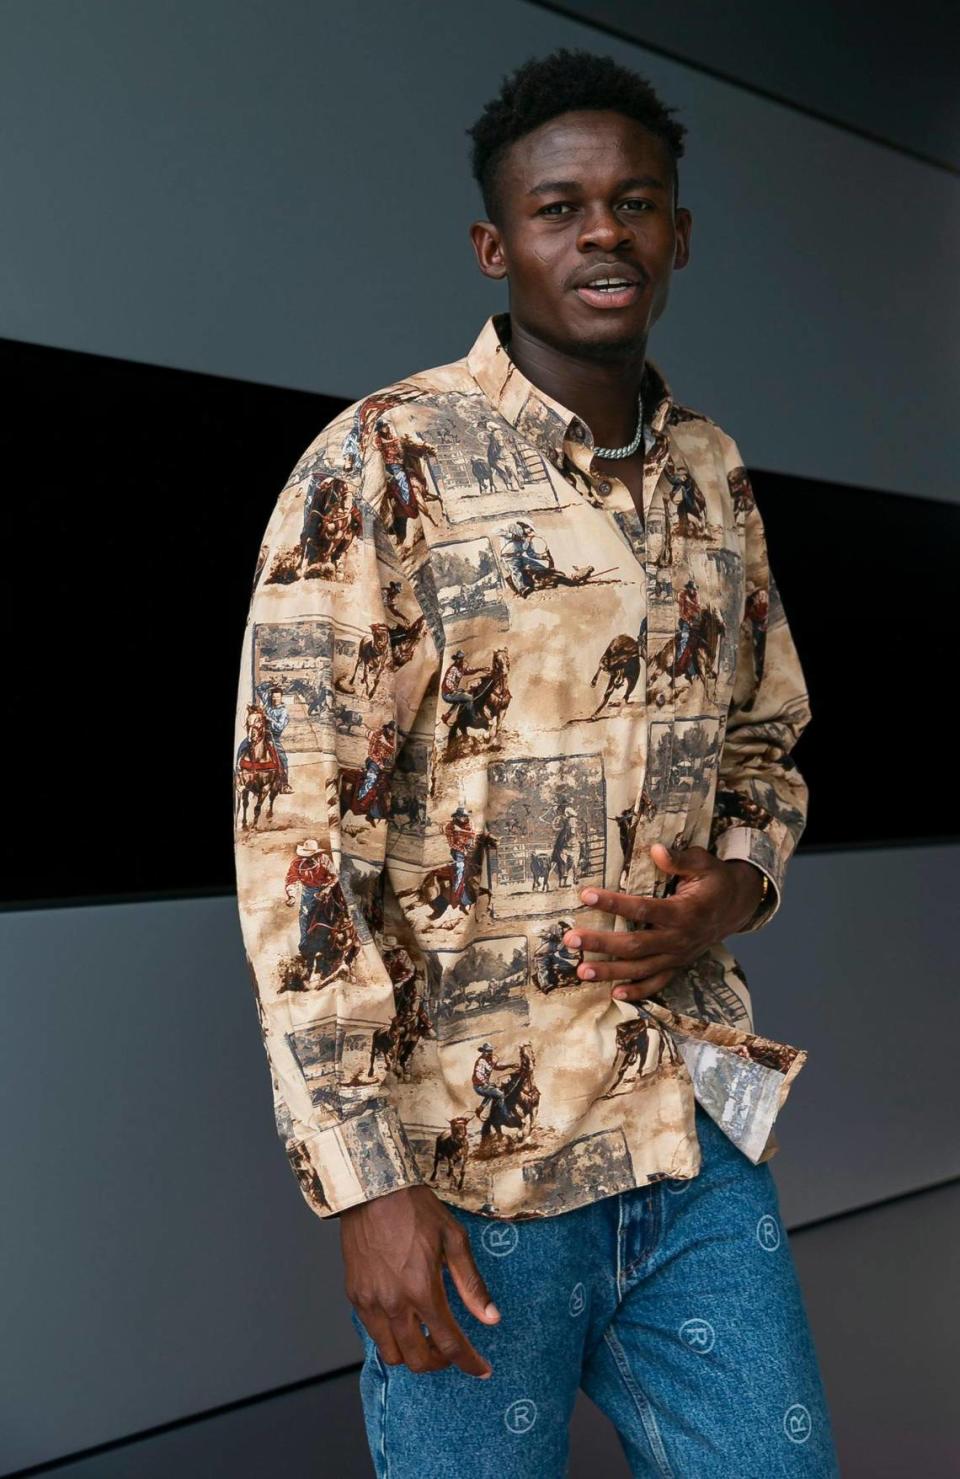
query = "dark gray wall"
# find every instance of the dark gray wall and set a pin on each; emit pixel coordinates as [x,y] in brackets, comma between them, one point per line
[158,1256]
[890,1350]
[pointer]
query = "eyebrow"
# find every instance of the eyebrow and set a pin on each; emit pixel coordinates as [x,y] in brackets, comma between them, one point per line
[634,182]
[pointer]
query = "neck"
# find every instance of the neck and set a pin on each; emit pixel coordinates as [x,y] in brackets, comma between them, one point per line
[601,386]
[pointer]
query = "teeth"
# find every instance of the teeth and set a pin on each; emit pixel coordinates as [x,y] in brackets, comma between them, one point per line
[609,282]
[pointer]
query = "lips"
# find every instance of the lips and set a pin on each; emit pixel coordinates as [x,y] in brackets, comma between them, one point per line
[607,270]
[609,297]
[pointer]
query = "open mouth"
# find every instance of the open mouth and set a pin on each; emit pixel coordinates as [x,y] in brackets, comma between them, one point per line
[609,293]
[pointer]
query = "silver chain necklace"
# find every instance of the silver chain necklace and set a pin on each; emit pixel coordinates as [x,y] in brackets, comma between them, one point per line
[633,446]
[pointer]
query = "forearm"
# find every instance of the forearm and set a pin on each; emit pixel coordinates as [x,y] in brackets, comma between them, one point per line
[761,800]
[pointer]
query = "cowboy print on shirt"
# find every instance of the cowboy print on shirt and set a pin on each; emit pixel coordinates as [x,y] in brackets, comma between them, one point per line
[502,681]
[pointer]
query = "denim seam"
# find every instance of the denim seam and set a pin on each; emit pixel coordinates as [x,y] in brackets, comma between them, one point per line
[385,1473]
[654,1232]
[641,1402]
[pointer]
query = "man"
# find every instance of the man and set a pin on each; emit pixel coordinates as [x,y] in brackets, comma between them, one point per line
[619,1240]
[482,1081]
[455,694]
[271,698]
[381,753]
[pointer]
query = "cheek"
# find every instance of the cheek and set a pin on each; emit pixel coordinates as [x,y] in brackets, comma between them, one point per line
[539,272]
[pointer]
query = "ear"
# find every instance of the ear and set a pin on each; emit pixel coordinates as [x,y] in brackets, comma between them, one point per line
[488,248]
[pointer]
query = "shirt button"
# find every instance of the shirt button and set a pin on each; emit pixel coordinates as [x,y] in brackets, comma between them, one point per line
[604,487]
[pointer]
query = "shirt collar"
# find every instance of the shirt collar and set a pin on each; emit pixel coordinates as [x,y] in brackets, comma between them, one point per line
[536,416]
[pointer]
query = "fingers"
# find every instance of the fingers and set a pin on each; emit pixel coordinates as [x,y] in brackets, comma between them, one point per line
[394,1250]
[451,1343]
[627,970]
[465,1274]
[626,943]
[631,906]
[401,1335]
[639,990]
[383,1338]
[401,1340]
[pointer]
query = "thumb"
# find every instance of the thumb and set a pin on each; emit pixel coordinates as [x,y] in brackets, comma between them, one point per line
[678,859]
[465,1274]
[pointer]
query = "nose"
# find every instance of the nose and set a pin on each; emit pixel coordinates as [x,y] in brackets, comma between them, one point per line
[604,228]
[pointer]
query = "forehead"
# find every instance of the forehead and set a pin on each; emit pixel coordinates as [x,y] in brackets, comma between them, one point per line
[588,146]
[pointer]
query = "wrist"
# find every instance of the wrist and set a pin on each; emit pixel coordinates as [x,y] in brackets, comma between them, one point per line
[754,891]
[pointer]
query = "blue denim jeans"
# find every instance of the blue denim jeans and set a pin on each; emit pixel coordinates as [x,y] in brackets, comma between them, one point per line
[676,1308]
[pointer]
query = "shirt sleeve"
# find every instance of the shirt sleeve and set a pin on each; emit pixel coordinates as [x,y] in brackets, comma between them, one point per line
[309,860]
[761,803]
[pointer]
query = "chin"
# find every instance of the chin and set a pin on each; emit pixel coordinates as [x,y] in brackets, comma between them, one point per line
[607,341]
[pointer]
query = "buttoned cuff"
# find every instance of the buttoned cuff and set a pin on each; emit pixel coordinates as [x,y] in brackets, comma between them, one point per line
[358,1158]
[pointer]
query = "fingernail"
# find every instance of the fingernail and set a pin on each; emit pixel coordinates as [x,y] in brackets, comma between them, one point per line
[491,1311]
[573,941]
[485,1375]
[589,896]
[620,991]
[588,973]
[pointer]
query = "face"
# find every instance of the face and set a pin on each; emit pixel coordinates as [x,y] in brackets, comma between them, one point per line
[585,189]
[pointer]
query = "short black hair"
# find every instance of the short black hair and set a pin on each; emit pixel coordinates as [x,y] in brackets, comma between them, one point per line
[542,88]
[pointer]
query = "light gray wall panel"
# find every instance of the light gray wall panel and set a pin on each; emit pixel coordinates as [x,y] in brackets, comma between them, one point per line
[281,193]
[164,1260]
[860,968]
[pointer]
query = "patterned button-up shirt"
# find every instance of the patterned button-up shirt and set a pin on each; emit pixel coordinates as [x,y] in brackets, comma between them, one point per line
[572,679]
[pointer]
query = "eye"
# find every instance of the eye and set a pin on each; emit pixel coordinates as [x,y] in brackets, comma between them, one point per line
[559,205]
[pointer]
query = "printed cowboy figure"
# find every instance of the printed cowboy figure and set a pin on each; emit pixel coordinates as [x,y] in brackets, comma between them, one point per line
[271,701]
[454,694]
[381,753]
[322,702]
[690,504]
[391,594]
[556,963]
[326,499]
[688,606]
[401,491]
[340,523]
[568,846]
[528,556]
[402,973]
[391,449]
[495,458]
[328,937]
[462,839]
[482,1069]
[350,446]
[756,611]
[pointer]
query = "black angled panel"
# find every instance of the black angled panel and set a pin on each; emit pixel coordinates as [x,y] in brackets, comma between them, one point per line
[136,500]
